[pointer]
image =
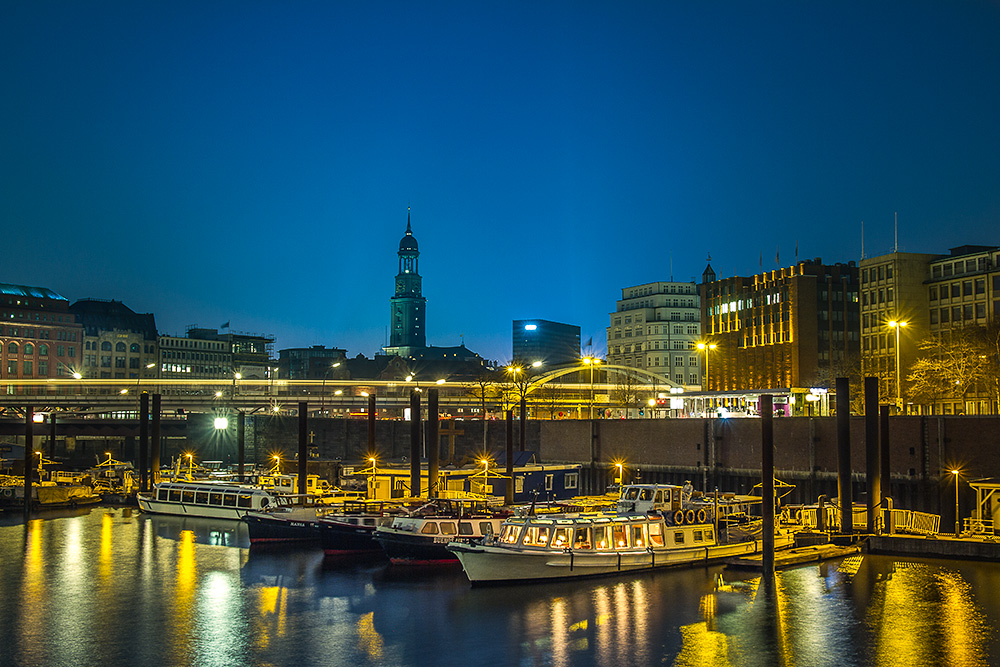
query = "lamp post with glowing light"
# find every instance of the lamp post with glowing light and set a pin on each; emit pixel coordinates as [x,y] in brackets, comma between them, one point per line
[591,361]
[322,390]
[956,473]
[707,348]
[897,325]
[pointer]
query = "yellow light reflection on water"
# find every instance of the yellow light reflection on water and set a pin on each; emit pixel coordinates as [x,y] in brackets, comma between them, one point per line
[702,647]
[104,555]
[272,602]
[926,617]
[184,593]
[369,640]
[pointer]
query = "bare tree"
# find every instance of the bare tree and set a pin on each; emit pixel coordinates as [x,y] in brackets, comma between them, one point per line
[483,387]
[952,364]
[626,392]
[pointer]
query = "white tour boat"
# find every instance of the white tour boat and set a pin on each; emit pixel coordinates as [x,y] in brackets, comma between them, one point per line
[651,533]
[217,500]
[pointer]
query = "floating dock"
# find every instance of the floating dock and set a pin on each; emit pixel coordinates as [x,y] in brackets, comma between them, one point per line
[986,547]
[796,556]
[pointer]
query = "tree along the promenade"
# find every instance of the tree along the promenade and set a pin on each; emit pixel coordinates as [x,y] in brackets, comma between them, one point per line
[958,364]
[483,387]
[626,392]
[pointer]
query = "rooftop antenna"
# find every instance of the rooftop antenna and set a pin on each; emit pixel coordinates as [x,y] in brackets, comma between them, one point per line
[895,232]
[862,239]
[671,267]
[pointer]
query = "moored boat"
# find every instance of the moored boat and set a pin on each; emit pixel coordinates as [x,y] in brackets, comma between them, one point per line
[423,538]
[218,500]
[651,530]
[294,519]
[350,530]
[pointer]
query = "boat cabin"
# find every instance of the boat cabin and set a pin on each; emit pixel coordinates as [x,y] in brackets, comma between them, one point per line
[603,533]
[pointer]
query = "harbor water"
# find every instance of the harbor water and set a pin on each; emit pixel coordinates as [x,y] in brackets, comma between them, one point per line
[114,587]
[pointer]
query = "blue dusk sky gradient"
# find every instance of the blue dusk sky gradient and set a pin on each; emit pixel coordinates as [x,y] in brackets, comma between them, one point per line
[252,162]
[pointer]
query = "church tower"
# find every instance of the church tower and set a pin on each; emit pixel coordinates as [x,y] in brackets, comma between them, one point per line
[407,305]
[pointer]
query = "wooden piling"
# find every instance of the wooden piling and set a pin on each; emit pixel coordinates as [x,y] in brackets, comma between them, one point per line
[303,446]
[873,467]
[414,443]
[846,498]
[29,451]
[767,481]
[433,442]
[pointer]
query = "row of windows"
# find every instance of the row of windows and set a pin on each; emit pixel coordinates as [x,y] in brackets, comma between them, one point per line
[962,266]
[120,346]
[964,288]
[217,498]
[611,537]
[192,344]
[43,350]
[669,289]
[38,317]
[883,272]
[968,312]
[44,334]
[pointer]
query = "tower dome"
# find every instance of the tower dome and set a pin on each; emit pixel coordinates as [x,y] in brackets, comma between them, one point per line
[408,242]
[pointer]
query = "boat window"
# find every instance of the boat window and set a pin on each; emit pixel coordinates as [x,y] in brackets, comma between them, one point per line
[201,497]
[430,528]
[696,535]
[656,534]
[602,537]
[175,495]
[368,522]
[679,537]
[509,534]
[162,494]
[245,500]
[465,528]
[449,528]
[582,539]
[646,494]
[229,500]
[659,496]
[632,494]
[620,536]
[560,538]
[708,535]
[187,496]
[485,528]
[265,501]
[215,499]
[639,535]
[536,536]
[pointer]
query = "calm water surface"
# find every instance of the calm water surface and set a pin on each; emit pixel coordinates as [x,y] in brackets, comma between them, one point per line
[115,588]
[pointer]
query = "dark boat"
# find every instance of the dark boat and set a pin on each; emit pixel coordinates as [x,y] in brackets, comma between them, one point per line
[349,531]
[286,523]
[422,538]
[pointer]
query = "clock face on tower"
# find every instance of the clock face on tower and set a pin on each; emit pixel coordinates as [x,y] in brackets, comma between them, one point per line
[399,285]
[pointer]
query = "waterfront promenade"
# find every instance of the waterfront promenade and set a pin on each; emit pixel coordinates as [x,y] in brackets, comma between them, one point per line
[116,587]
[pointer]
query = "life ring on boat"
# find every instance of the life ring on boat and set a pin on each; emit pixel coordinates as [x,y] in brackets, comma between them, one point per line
[679,518]
[689,516]
[702,516]
[7,492]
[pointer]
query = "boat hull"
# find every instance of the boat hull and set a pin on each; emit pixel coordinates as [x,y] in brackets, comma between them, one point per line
[404,549]
[489,564]
[343,539]
[266,529]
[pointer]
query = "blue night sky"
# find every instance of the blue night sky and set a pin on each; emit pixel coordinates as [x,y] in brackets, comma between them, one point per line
[252,162]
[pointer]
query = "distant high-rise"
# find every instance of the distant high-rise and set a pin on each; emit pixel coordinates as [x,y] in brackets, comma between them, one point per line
[407,306]
[552,343]
[656,327]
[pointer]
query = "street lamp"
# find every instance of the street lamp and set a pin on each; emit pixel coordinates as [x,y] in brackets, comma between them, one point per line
[707,347]
[322,389]
[955,473]
[591,361]
[897,325]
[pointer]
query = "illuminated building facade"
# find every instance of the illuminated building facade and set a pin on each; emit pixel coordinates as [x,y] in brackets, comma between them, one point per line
[892,291]
[40,337]
[963,290]
[656,327]
[209,353]
[117,341]
[791,327]
[407,306]
[552,343]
